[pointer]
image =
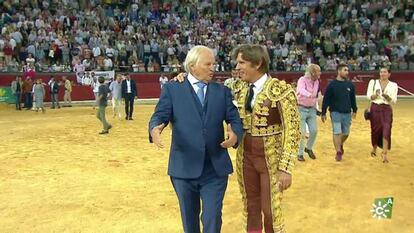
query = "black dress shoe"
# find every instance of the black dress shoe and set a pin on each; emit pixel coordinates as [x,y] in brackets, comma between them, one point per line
[126,118]
[310,153]
[104,132]
[300,158]
[130,118]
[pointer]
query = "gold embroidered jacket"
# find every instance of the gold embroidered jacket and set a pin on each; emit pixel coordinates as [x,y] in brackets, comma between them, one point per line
[274,116]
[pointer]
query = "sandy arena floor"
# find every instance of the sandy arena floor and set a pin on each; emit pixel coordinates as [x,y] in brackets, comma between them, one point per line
[58,175]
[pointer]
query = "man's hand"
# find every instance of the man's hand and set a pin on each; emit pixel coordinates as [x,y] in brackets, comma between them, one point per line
[353,115]
[323,118]
[180,77]
[156,135]
[285,180]
[231,138]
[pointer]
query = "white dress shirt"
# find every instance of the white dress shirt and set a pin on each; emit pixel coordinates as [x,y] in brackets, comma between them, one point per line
[258,86]
[391,90]
[96,85]
[128,82]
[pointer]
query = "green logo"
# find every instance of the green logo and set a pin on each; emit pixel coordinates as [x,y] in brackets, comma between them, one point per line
[382,208]
[2,92]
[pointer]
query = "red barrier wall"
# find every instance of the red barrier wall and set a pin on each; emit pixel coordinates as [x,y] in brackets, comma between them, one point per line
[148,85]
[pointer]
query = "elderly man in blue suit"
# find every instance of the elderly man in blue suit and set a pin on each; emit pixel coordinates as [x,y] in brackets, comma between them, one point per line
[199,163]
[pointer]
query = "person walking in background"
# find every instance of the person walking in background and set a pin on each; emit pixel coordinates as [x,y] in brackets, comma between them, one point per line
[39,95]
[102,103]
[17,89]
[382,94]
[340,99]
[234,76]
[232,80]
[54,90]
[129,92]
[87,79]
[27,93]
[68,91]
[95,89]
[307,91]
[116,93]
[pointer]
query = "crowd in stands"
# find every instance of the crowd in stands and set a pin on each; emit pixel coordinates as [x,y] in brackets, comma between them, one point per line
[150,36]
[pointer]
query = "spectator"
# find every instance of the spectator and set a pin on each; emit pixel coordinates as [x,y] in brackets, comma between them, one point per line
[116,92]
[333,28]
[27,93]
[17,89]
[95,89]
[79,70]
[30,61]
[68,91]
[39,95]
[54,91]
[163,80]
[108,65]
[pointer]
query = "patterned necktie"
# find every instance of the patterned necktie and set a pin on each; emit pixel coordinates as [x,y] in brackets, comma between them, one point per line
[248,104]
[200,92]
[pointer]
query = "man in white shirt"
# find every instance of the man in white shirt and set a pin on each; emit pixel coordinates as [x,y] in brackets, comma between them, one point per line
[163,80]
[95,88]
[116,92]
[96,51]
[79,69]
[108,64]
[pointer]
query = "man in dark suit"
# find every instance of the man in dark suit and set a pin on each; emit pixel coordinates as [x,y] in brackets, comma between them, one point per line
[129,92]
[16,88]
[54,91]
[199,163]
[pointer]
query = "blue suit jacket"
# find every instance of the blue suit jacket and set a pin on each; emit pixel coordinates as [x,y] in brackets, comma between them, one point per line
[196,131]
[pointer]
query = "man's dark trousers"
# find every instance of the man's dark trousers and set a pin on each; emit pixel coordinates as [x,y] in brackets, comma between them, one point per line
[18,96]
[129,104]
[210,188]
[28,100]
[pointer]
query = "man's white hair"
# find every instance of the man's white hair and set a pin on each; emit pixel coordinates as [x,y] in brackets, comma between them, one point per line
[193,56]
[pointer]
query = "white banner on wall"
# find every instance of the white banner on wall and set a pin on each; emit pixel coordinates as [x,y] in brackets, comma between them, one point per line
[108,75]
[87,79]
